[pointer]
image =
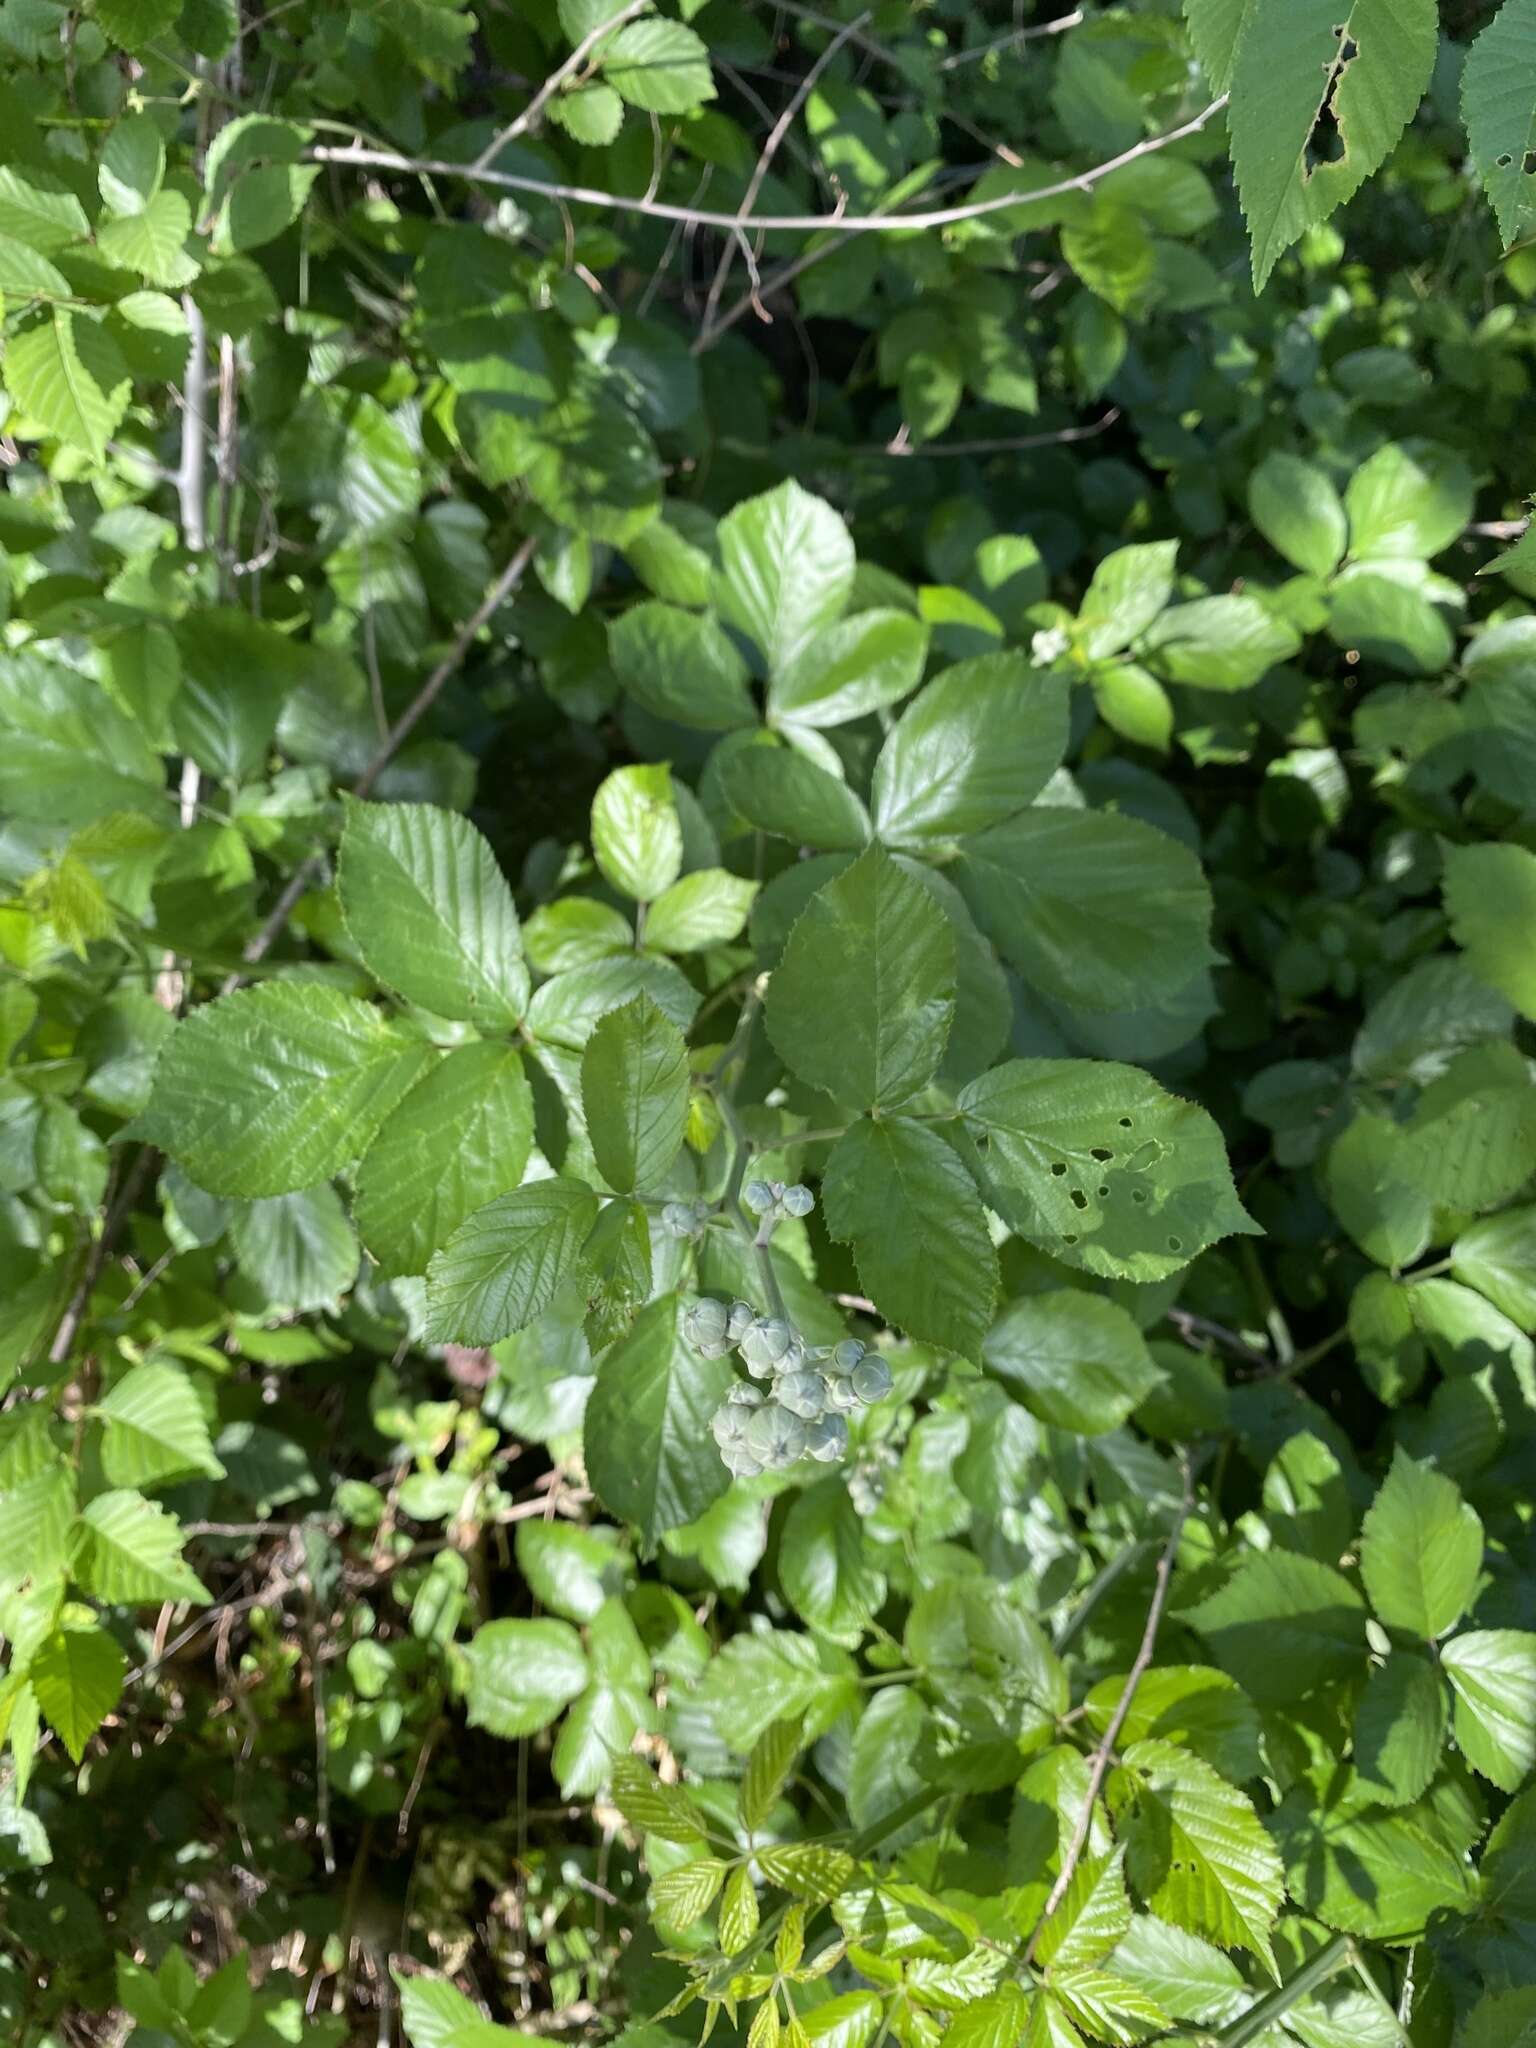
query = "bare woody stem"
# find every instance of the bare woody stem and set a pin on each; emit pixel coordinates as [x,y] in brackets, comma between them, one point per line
[1098,1769]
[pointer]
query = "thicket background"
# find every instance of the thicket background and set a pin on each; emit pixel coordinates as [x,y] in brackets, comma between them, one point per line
[968,785]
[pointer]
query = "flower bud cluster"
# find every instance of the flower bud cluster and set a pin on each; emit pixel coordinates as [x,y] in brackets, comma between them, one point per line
[800,1409]
[686,1219]
[771,1198]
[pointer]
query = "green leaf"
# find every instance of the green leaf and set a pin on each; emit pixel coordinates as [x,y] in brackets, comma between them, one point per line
[1283,1625]
[778,790]
[1500,118]
[507,1263]
[1298,511]
[1094,1163]
[1498,1258]
[1366,62]
[1195,1850]
[1189,1978]
[1096,911]
[773,1757]
[132,163]
[68,379]
[634,1091]
[277,1087]
[77,1674]
[154,1428]
[614,1708]
[1093,1915]
[762,1677]
[1493,1675]
[569,1569]
[36,1511]
[1191,1705]
[681,666]
[863,997]
[653,1807]
[1306,1499]
[686,1894]
[902,1199]
[39,209]
[568,1009]
[659,65]
[131,1552]
[649,1453]
[299,1250]
[459,1138]
[1400,1727]
[1125,594]
[1382,1872]
[786,571]
[830,1581]
[431,913]
[636,834]
[1421,1550]
[520,1674]
[1075,1360]
[1375,1184]
[1408,501]
[855,666]
[1490,896]
[151,239]
[69,755]
[976,746]
[707,908]
[133,24]
[437,2016]
[1219,643]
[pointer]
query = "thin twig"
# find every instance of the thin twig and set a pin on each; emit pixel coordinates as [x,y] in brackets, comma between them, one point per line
[261,943]
[765,223]
[1192,1327]
[760,169]
[556,79]
[1014,36]
[1098,1769]
[1008,445]
[191,486]
[96,1258]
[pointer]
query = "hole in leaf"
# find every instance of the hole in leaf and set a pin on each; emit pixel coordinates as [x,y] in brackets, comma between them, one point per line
[1503,162]
[1528,163]
[1079,1199]
[1058,1167]
[1125,1123]
[1103,1192]
[1101,1152]
[1138,1194]
[1326,144]
[1069,1240]
[1175,1244]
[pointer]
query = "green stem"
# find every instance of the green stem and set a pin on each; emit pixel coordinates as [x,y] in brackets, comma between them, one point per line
[1334,1956]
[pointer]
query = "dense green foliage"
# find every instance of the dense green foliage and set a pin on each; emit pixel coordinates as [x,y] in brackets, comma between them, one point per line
[768,1144]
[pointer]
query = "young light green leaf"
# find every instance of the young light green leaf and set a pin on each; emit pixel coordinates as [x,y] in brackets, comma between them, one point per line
[636,835]
[786,571]
[506,1264]
[459,1138]
[132,163]
[1218,643]
[900,1196]
[707,908]
[1195,1849]
[431,912]
[855,666]
[1298,511]
[1493,1675]
[634,1091]
[153,1427]
[1125,594]
[686,1894]
[277,1087]
[613,1709]
[659,65]
[769,1765]
[653,1807]
[569,1569]
[77,1674]
[521,1673]
[131,1552]
[738,1911]
[864,994]
[68,379]
[1421,1550]
[1408,501]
